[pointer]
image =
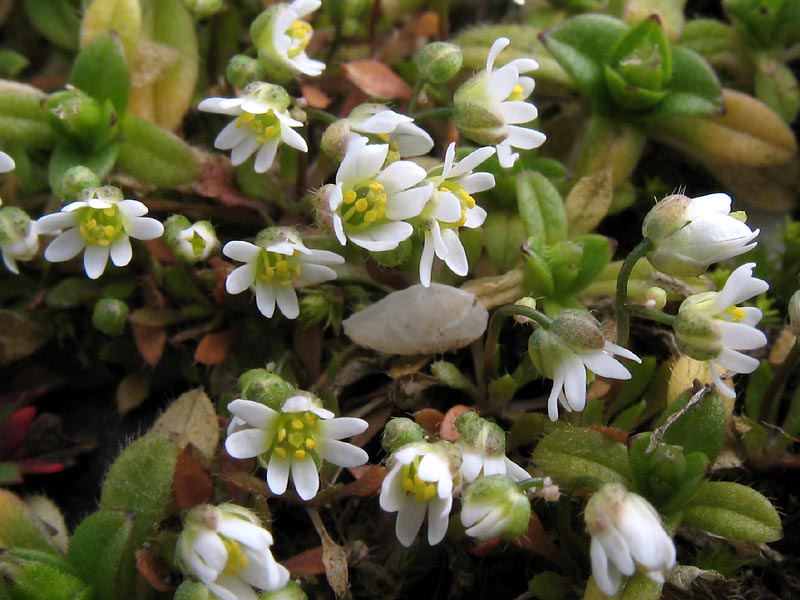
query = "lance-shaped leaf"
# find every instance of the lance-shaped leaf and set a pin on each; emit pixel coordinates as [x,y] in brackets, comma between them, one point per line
[101,552]
[68,155]
[20,528]
[29,574]
[588,201]
[56,20]
[594,255]
[154,155]
[122,16]
[101,71]
[504,234]
[541,208]
[22,120]
[777,87]
[694,88]
[571,452]
[733,511]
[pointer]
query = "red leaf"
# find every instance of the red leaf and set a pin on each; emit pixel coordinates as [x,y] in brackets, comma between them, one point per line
[213,348]
[14,429]
[368,482]
[376,79]
[150,342]
[306,563]
[154,571]
[611,432]
[191,485]
[447,430]
[429,418]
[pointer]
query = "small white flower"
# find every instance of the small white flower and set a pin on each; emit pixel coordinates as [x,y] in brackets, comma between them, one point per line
[274,266]
[626,534]
[450,207]
[293,441]
[282,38]
[483,449]
[102,223]
[6,163]
[420,481]
[494,506]
[18,237]
[227,549]
[564,352]
[689,234]
[197,242]
[262,123]
[710,326]
[397,130]
[490,106]
[370,203]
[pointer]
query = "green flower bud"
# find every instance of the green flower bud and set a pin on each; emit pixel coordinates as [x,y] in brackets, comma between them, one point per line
[439,62]
[192,590]
[109,316]
[18,237]
[527,302]
[480,435]
[794,313]
[190,243]
[79,117]
[396,257]
[400,432]
[204,8]
[243,70]
[695,332]
[266,387]
[291,591]
[317,307]
[655,298]
[75,181]
[448,374]
[334,140]
[494,506]
[579,330]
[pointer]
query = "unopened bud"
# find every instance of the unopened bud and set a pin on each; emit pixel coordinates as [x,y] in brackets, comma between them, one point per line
[655,298]
[190,243]
[448,374]
[335,139]
[400,432]
[243,70]
[578,329]
[396,257]
[109,316]
[266,387]
[439,62]
[204,8]
[79,117]
[291,591]
[75,181]
[527,302]
[494,506]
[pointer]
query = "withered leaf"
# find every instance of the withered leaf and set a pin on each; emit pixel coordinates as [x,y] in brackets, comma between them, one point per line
[150,342]
[132,390]
[376,79]
[191,419]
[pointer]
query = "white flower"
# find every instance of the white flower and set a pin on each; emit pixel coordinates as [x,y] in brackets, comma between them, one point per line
[451,206]
[101,223]
[710,326]
[370,203]
[494,506]
[196,243]
[6,163]
[262,123]
[483,449]
[18,237]
[563,353]
[626,533]
[293,441]
[489,107]
[398,130]
[689,234]
[227,549]
[274,266]
[282,38]
[419,481]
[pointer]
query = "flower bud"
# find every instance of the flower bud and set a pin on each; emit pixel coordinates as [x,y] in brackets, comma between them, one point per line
[494,507]
[794,313]
[439,62]
[243,70]
[578,329]
[655,298]
[79,117]
[266,387]
[316,308]
[75,181]
[527,302]
[18,237]
[291,591]
[396,257]
[204,8]
[480,434]
[109,316]
[334,140]
[190,243]
[400,432]
[448,374]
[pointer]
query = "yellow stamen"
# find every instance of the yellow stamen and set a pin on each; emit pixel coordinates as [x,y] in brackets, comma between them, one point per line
[237,560]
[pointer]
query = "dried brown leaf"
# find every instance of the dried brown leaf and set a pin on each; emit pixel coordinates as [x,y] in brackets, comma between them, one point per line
[191,419]
[376,79]
[191,485]
[308,562]
[447,429]
[213,349]
[367,482]
[132,390]
[315,97]
[429,419]
[19,336]
[150,342]
[154,571]
[588,202]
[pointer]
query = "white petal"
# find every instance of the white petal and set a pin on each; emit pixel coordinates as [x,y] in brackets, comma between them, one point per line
[305,477]
[470,161]
[426,261]
[739,336]
[383,121]
[497,47]
[253,413]
[244,150]
[516,472]
[241,251]
[95,259]
[475,217]
[392,495]
[522,137]
[604,365]
[121,251]
[502,82]
[287,301]
[323,257]
[132,208]
[265,156]
[456,258]
[552,400]
[409,203]
[338,228]
[291,138]
[477,182]
[55,222]
[228,587]
[574,380]
[506,156]
[518,112]
[606,576]
[736,361]
[361,161]
[224,106]
[247,533]
[741,286]
[722,387]
[446,207]
[411,140]
[343,427]
[66,246]
[6,163]
[278,474]
[343,454]
[385,236]
[247,443]
[144,228]
[315,274]
[409,520]
[471,466]
[265,298]
[296,404]
[524,65]
[432,468]
[231,136]
[438,513]
[400,175]
[240,279]
[263,572]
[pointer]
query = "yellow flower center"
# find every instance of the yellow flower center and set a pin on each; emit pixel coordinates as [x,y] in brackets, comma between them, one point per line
[300,33]
[101,226]
[517,93]
[296,435]
[237,560]
[734,314]
[420,490]
[198,243]
[272,267]
[364,204]
[467,201]
[265,126]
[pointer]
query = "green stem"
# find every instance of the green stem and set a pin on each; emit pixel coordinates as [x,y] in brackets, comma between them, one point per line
[533,482]
[623,316]
[321,115]
[442,111]
[493,331]
[778,381]
[653,315]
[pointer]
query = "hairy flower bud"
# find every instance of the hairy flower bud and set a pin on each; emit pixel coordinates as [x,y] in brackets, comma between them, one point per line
[18,237]
[266,387]
[243,70]
[400,432]
[109,316]
[494,506]
[75,181]
[439,62]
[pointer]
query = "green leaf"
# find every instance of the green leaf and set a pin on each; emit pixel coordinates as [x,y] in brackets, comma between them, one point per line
[140,481]
[733,511]
[642,58]
[582,45]
[56,20]
[708,37]
[122,16]
[101,71]
[595,255]
[630,97]
[541,208]
[20,528]
[694,88]
[101,552]
[777,87]
[504,235]
[22,119]
[538,280]
[757,384]
[572,452]
[37,576]
[12,63]
[67,155]
[701,428]
[154,155]
[588,201]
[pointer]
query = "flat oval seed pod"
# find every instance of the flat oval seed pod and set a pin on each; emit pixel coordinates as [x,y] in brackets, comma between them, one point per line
[419,320]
